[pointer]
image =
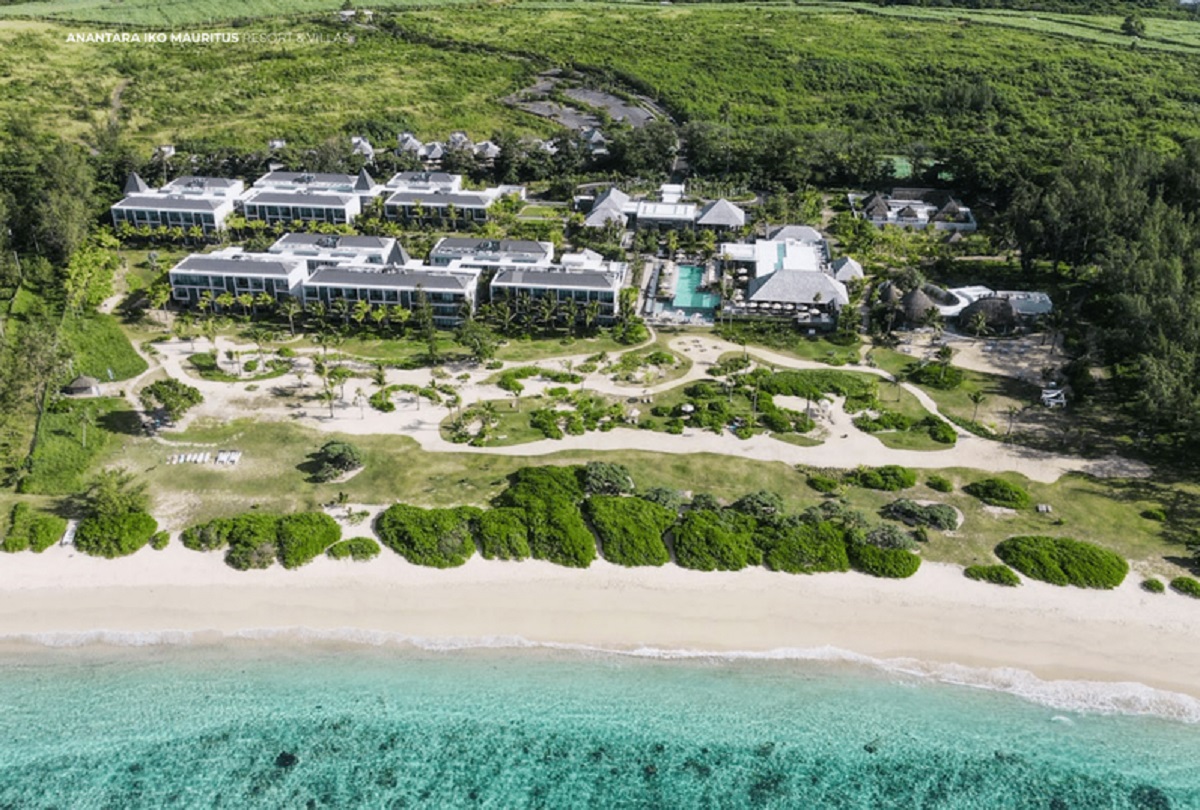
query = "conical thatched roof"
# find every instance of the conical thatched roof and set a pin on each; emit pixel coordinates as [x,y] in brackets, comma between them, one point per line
[889,293]
[939,295]
[916,306]
[1000,313]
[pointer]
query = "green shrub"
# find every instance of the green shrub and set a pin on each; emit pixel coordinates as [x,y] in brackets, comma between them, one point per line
[160,540]
[545,421]
[1155,514]
[335,459]
[715,541]
[1153,586]
[603,478]
[937,515]
[359,549]
[891,563]
[249,529]
[935,375]
[759,505]
[942,432]
[630,529]
[939,484]
[889,478]
[1061,561]
[174,397]
[823,483]
[666,498]
[114,535]
[1186,586]
[889,536]
[805,548]
[995,574]
[32,530]
[998,492]
[503,534]
[305,536]
[549,497]
[440,538]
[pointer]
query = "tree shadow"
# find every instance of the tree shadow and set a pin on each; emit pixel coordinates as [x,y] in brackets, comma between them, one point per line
[126,423]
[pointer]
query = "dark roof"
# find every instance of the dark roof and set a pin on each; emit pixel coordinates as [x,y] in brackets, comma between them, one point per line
[235,267]
[877,208]
[364,182]
[404,280]
[196,181]
[300,198]
[308,178]
[165,202]
[908,212]
[999,312]
[889,293]
[561,279]
[134,184]
[82,383]
[916,306]
[422,177]
[462,245]
[439,200]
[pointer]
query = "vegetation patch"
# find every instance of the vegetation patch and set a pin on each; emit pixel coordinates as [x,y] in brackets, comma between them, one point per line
[440,538]
[804,548]
[1188,586]
[889,478]
[889,563]
[334,460]
[32,530]
[175,398]
[114,535]
[935,515]
[303,537]
[502,534]
[630,529]
[1153,585]
[1061,561]
[998,492]
[550,497]
[359,549]
[716,541]
[939,483]
[995,574]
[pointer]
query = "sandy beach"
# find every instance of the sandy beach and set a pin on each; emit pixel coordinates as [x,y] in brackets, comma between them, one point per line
[940,623]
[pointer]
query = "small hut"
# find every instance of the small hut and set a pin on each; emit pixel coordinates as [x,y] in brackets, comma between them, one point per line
[916,306]
[83,386]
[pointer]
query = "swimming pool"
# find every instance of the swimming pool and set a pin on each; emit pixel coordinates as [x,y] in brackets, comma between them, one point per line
[687,296]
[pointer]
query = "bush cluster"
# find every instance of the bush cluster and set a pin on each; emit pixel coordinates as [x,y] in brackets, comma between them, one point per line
[804,548]
[1061,561]
[936,515]
[602,478]
[995,574]
[939,483]
[359,549]
[440,538]
[630,529]
[889,478]
[890,563]
[825,484]
[502,534]
[998,492]
[335,459]
[549,497]
[1186,586]
[32,530]
[716,541]
[889,536]
[173,396]
[257,539]
[1153,586]
[114,535]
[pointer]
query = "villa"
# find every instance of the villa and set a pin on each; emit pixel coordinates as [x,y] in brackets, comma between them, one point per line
[301,205]
[916,208]
[426,200]
[185,202]
[669,212]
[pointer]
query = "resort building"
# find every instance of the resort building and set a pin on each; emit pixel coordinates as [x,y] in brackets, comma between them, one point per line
[425,182]
[915,208]
[301,205]
[185,202]
[584,287]
[321,250]
[669,212]
[432,205]
[490,253]
[236,272]
[451,296]
[787,277]
[361,185]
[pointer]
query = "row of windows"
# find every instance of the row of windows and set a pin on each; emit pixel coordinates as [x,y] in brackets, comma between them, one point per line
[410,212]
[562,295]
[142,217]
[285,213]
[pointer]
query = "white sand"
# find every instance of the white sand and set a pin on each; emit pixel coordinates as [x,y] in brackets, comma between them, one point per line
[938,617]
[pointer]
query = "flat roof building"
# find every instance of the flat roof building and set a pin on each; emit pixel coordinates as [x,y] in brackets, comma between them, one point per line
[185,202]
[326,250]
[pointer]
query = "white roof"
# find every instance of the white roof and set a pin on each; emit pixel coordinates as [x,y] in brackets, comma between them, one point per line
[677,212]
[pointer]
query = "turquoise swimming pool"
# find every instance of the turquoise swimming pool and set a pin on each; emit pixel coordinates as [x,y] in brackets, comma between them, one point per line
[687,294]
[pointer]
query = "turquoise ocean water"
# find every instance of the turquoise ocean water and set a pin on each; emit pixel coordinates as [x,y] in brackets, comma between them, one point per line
[262,723]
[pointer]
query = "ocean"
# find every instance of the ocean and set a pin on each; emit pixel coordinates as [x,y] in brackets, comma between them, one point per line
[289,722]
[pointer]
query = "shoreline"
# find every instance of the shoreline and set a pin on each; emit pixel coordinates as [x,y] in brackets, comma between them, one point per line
[1036,638]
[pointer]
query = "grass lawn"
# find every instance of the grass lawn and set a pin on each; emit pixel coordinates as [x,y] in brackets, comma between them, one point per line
[100,348]
[61,463]
[522,350]
[269,475]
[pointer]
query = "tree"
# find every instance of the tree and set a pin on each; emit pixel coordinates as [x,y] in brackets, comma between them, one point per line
[64,203]
[114,493]
[339,375]
[291,307]
[174,397]
[334,459]
[88,276]
[1133,26]
[977,398]
[477,338]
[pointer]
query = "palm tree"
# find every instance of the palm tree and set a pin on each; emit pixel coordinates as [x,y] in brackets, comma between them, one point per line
[86,416]
[340,307]
[1012,411]
[317,310]
[291,307]
[261,336]
[977,398]
[225,300]
[360,397]
[264,300]
[978,325]
[205,302]
[245,301]
[362,308]
[159,295]
[944,355]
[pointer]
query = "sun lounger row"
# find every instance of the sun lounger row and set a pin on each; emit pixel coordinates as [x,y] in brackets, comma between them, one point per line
[223,457]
